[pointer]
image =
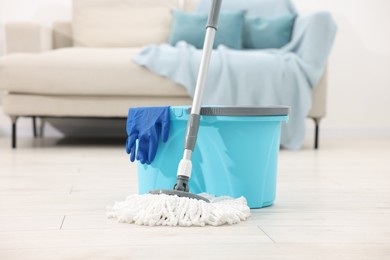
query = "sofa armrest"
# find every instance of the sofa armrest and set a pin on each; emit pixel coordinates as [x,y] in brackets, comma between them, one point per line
[62,35]
[27,37]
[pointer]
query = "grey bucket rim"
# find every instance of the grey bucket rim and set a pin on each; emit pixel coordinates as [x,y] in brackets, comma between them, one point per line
[244,110]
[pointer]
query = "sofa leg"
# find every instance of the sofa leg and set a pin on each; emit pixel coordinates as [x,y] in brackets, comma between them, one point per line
[316,133]
[41,126]
[14,119]
[34,124]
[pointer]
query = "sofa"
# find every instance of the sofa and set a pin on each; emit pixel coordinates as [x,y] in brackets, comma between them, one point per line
[83,68]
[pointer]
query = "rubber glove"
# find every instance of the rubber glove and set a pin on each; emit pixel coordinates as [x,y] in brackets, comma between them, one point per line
[146,124]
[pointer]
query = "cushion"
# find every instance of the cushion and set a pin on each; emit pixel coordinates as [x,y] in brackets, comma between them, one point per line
[263,32]
[189,5]
[191,27]
[121,23]
[74,106]
[265,8]
[83,71]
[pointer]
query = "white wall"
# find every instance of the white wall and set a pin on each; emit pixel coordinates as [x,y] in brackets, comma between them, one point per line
[41,11]
[1,37]
[359,66]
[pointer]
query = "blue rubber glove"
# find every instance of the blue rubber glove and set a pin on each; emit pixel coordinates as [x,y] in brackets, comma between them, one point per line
[146,124]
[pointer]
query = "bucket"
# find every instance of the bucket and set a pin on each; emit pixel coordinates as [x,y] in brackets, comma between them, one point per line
[235,155]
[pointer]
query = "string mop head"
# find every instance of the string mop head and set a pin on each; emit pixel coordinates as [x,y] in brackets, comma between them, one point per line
[171,210]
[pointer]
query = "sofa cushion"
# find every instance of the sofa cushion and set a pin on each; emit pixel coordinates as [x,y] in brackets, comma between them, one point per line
[82,106]
[264,8]
[121,23]
[83,71]
[191,27]
[267,32]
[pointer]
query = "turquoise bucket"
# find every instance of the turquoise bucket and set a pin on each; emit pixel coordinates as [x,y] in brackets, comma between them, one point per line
[236,153]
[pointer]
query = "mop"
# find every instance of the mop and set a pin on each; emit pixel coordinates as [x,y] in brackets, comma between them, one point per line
[179,207]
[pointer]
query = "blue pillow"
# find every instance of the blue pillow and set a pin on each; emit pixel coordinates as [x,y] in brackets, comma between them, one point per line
[253,7]
[191,27]
[267,32]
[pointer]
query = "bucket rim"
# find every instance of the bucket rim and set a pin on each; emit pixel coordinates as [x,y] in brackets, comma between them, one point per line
[243,110]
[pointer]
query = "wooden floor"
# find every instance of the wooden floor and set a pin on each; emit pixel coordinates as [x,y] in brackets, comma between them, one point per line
[331,204]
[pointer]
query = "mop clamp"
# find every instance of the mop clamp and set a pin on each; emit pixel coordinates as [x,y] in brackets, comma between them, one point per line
[182,183]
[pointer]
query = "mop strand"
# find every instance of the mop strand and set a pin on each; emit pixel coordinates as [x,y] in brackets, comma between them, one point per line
[168,210]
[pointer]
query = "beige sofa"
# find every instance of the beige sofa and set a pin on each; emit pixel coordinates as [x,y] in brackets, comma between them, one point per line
[83,68]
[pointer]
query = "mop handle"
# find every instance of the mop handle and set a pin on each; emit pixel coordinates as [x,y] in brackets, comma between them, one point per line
[211,28]
[185,165]
[194,117]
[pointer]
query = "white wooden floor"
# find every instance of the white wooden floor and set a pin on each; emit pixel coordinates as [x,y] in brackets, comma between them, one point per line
[331,204]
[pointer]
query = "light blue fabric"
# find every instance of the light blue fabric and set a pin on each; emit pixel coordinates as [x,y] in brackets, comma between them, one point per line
[190,27]
[255,77]
[267,32]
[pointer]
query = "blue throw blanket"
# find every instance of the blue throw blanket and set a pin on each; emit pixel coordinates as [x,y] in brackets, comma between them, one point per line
[255,77]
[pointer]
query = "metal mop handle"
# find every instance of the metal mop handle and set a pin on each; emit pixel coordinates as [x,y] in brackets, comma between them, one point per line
[185,165]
